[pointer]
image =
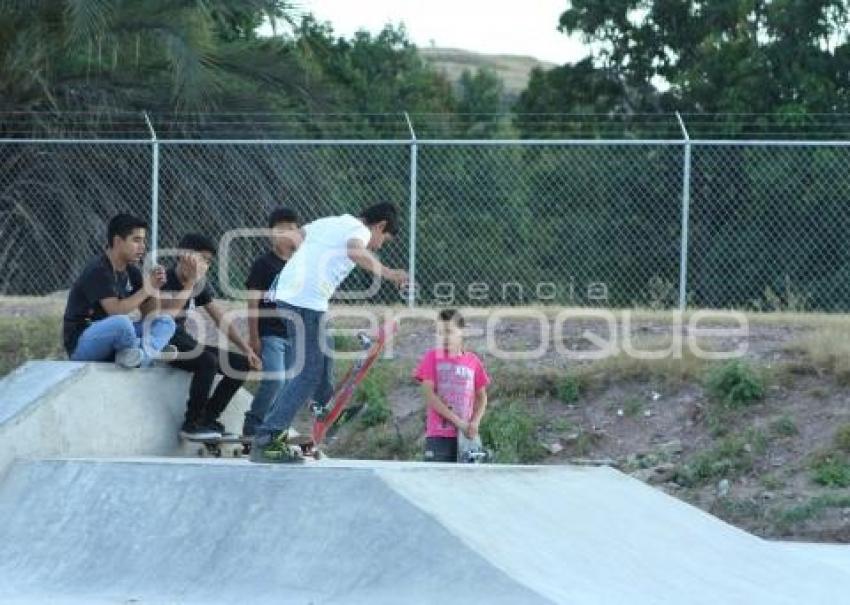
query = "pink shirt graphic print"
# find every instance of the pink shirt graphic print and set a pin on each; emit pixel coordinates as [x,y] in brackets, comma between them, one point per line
[456,380]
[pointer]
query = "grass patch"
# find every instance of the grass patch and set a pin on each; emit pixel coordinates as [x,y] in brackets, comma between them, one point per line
[818,393]
[672,367]
[842,438]
[583,445]
[810,511]
[721,421]
[569,388]
[372,393]
[831,469]
[825,350]
[733,456]
[510,432]
[784,426]
[510,383]
[772,482]
[632,407]
[562,425]
[736,510]
[26,338]
[346,342]
[735,384]
[383,442]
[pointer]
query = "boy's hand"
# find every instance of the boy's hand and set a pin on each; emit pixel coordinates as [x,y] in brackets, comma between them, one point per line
[156,278]
[190,270]
[254,361]
[397,276]
[472,431]
[463,427]
[256,346]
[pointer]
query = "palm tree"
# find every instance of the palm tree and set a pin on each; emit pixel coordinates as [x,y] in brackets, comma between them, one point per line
[157,54]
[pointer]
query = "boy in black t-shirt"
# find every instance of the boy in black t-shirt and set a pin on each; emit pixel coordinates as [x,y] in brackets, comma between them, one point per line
[267,331]
[96,325]
[187,289]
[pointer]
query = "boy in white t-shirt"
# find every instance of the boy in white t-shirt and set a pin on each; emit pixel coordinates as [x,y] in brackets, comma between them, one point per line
[328,250]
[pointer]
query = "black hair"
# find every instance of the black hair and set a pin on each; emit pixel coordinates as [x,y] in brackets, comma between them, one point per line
[454,316]
[384,211]
[122,225]
[282,215]
[197,242]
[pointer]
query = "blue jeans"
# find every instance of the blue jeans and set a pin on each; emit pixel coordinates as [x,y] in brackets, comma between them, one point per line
[274,354]
[105,337]
[313,380]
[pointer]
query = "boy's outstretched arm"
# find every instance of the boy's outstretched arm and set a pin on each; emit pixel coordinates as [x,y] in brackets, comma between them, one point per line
[364,258]
[477,412]
[433,400]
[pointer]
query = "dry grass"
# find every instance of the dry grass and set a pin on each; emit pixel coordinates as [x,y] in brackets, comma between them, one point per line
[823,351]
[676,367]
[709,317]
[670,369]
[25,338]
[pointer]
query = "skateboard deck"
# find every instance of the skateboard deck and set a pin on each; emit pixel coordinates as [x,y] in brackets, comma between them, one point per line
[234,446]
[344,391]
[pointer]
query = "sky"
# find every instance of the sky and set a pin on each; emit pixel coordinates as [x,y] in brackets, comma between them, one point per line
[486,26]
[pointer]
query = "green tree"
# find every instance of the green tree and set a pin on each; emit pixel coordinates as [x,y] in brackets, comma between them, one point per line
[723,56]
[159,54]
[480,101]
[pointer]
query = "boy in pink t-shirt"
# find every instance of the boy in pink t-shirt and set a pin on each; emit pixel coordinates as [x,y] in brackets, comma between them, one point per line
[454,384]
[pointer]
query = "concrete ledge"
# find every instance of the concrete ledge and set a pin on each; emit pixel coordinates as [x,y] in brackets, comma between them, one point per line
[96,409]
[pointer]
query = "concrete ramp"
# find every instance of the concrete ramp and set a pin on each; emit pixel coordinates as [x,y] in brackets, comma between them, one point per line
[186,531]
[50,408]
[152,532]
[95,509]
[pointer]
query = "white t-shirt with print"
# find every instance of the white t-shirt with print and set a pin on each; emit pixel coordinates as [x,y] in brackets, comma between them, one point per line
[320,264]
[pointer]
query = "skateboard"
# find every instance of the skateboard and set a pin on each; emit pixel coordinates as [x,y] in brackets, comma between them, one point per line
[344,391]
[470,451]
[234,446]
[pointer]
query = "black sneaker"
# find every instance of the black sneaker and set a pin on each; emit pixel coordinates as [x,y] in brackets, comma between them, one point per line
[215,425]
[195,432]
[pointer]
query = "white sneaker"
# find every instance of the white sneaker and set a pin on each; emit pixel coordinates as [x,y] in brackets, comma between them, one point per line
[129,358]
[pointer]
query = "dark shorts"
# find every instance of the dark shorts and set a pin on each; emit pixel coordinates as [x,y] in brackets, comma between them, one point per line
[440,449]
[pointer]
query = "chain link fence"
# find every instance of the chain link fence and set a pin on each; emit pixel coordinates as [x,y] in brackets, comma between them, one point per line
[487,222]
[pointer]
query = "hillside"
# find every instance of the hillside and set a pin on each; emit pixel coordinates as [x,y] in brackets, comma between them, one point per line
[514,70]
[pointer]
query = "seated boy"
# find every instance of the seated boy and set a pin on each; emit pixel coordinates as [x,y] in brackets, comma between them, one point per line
[267,334]
[97,324]
[454,384]
[187,288]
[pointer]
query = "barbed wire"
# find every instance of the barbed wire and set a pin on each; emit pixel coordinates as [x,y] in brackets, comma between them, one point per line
[126,125]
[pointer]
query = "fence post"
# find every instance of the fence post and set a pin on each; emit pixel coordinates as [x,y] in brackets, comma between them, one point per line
[411,270]
[154,190]
[686,208]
